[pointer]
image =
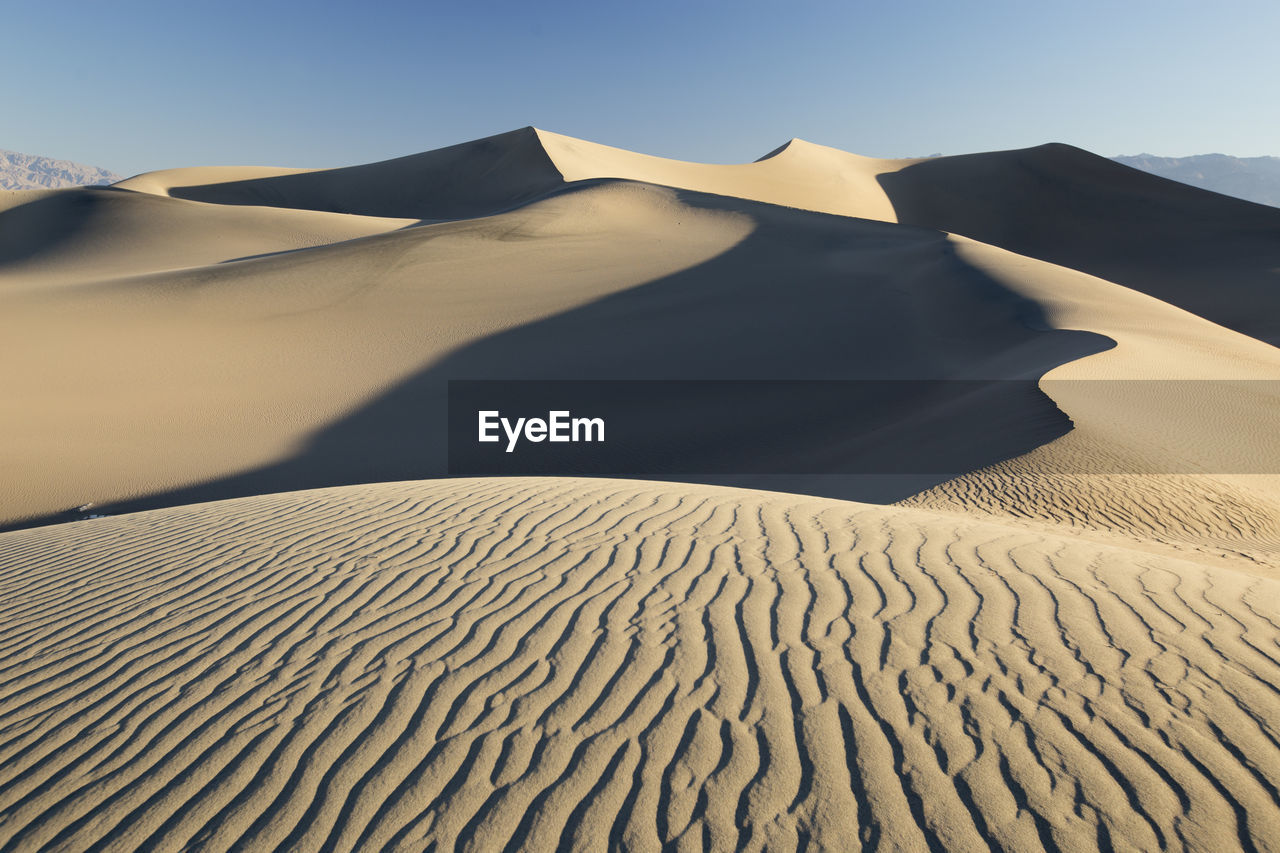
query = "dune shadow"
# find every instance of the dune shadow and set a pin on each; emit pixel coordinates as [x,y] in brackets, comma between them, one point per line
[803,297]
[1213,255]
[43,225]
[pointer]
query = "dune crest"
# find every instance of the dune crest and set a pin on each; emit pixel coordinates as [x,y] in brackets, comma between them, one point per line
[799,174]
[470,179]
[1053,202]
[493,174]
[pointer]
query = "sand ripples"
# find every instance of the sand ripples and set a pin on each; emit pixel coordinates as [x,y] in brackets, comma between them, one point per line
[532,663]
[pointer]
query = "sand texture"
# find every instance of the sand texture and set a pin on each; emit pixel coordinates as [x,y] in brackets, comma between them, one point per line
[490,663]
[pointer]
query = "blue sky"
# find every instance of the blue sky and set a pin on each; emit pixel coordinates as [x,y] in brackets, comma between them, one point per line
[134,86]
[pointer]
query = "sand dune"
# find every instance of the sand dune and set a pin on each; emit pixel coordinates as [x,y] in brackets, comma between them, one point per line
[361,337]
[471,179]
[524,663]
[1173,429]
[1053,202]
[96,234]
[798,174]
[1062,636]
[276,319]
[1210,254]
[490,175]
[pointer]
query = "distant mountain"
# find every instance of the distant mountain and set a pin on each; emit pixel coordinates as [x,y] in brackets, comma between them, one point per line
[28,172]
[1252,178]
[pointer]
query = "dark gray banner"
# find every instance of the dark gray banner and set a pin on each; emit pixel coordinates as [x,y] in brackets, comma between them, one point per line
[687,428]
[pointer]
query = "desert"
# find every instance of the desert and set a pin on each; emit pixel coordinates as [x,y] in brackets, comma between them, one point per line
[249,600]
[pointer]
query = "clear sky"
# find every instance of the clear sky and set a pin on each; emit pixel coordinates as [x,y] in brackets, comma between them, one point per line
[135,85]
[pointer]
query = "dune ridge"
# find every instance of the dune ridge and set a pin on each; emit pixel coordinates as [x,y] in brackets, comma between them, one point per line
[1053,202]
[524,663]
[489,175]
[476,178]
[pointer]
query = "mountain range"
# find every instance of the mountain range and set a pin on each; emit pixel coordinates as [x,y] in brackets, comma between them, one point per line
[1250,178]
[30,172]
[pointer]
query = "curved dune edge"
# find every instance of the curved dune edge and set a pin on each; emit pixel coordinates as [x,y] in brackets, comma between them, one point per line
[485,176]
[1099,477]
[532,662]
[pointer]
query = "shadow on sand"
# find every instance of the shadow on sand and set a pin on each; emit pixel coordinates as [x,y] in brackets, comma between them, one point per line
[803,296]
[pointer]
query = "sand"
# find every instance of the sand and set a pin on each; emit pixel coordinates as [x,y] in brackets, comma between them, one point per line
[274,319]
[533,662]
[1065,638]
